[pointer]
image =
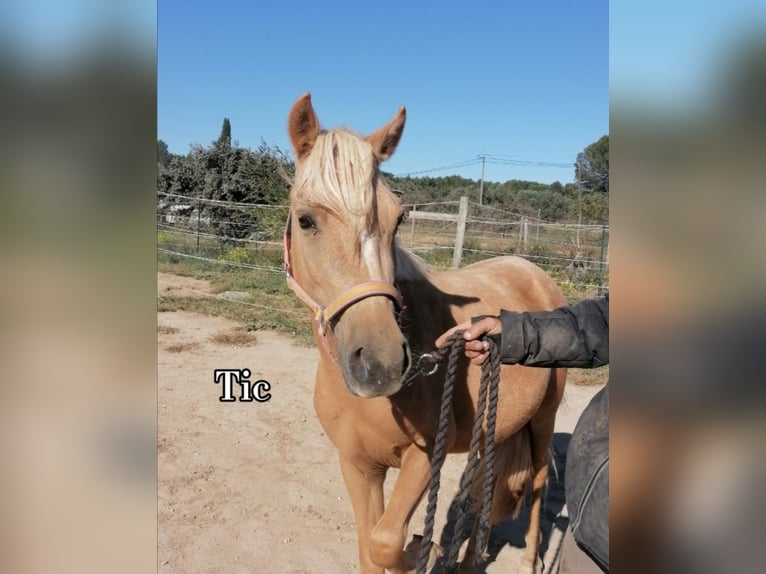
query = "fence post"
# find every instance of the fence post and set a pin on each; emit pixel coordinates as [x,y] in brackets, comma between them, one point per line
[525,233]
[460,236]
[537,233]
[601,261]
[412,227]
[199,210]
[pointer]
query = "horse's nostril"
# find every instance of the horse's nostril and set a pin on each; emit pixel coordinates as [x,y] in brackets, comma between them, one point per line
[357,360]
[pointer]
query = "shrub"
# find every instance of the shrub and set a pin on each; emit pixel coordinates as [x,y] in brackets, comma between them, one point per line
[237,254]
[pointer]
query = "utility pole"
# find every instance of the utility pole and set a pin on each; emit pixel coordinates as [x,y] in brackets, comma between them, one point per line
[481,181]
[579,202]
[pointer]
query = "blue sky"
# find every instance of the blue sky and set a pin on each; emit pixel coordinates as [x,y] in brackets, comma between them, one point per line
[519,78]
[525,80]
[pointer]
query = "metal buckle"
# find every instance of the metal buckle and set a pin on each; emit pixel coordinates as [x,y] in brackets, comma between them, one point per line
[429,358]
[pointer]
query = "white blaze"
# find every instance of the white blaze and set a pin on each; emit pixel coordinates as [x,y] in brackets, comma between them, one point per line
[370,256]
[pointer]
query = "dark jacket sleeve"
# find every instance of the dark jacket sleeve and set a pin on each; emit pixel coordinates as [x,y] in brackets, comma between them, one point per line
[574,336]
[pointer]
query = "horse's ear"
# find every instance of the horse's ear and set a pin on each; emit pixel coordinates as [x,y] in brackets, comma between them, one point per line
[385,140]
[303,126]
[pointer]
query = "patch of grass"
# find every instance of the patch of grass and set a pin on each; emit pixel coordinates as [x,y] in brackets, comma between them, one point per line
[437,258]
[273,306]
[166,330]
[181,347]
[224,278]
[286,314]
[234,337]
[297,324]
[186,267]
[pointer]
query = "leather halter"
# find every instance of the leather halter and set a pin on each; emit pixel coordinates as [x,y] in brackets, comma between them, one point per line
[324,314]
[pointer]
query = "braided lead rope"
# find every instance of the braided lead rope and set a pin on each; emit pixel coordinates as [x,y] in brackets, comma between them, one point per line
[487,398]
[464,500]
[493,374]
[440,450]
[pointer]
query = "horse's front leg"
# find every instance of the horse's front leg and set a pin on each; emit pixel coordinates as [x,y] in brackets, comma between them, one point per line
[364,483]
[390,533]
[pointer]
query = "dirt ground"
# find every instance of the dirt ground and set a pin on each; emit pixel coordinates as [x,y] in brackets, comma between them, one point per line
[249,487]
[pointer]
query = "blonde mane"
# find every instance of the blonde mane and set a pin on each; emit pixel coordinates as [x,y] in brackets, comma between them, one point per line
[338,174]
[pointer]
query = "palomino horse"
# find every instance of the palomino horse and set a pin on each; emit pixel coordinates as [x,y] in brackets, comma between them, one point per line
[375,305]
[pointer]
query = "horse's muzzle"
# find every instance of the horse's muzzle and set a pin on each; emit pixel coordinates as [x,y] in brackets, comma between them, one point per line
[367,376]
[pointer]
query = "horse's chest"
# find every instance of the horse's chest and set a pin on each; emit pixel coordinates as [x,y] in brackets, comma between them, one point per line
[366,427]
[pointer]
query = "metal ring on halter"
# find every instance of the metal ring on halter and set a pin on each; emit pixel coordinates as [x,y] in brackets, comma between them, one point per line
[431,358]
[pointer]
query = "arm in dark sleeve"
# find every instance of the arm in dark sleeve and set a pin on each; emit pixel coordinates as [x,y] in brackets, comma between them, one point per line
[575,336]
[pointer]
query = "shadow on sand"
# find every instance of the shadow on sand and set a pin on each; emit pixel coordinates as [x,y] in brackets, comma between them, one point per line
[511,531]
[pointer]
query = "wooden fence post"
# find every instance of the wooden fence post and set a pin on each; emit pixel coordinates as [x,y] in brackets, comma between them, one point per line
[199,215]
[524,233]
[460,236]
[537,233]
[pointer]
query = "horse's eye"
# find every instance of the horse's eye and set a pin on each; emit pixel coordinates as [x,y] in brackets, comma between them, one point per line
[306,222]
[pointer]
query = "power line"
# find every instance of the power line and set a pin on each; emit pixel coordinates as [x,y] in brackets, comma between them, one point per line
[464,163]
[516,156]
[527,163]
[497,159]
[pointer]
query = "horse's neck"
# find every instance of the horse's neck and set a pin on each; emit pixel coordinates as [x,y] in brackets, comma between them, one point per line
[427,311]
[422,312]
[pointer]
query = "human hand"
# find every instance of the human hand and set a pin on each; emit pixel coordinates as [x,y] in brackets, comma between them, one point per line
[475,349]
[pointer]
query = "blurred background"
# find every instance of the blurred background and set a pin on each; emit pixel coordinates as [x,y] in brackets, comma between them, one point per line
[77,261]
[688,131]
[78,167]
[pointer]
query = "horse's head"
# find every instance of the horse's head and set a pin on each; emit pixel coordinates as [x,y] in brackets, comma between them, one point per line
[343,221]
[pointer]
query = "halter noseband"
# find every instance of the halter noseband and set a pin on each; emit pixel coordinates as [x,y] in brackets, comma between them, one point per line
[323,315]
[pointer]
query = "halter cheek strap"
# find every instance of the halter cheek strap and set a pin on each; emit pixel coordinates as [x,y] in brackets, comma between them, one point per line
[323,315]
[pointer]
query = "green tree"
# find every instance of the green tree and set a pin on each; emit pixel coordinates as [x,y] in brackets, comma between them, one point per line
[224,140]
[163,155]
[556,187]
[549,204]
[595,208]
[592,167]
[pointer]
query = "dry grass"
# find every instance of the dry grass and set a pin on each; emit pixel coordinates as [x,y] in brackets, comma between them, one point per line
[166,330]
[181,347]
[234,338]
[288,315]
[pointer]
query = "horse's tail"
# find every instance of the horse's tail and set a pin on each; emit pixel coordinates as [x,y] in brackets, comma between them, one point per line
[513,470]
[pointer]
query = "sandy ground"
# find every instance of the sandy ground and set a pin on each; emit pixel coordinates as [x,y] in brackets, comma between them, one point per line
[256,487]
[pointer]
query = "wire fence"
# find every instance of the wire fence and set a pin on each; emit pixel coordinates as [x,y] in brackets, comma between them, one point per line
[576,256]
[246,236]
